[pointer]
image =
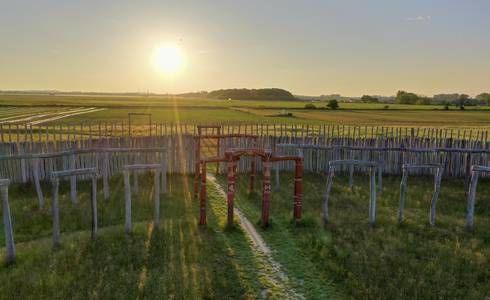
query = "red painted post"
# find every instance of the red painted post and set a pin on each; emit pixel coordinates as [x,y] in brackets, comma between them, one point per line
[298,189]
[198,165]
[266,191]
[231,187]
[202,204]
[252,175]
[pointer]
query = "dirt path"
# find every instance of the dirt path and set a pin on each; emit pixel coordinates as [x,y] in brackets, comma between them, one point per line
[271,269]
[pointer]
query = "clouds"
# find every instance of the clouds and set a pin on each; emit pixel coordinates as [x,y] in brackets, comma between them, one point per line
[418,19]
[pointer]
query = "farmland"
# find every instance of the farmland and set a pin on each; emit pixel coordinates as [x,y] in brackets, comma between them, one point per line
[305,259]
[94,108]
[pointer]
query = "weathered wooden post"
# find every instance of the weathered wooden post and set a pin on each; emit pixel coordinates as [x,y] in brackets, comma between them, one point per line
[136,189]
[351,176]
[278,180]
[164,159]
[475,172]
[435,196]
[403,192]
[105,176]
[231,187]
[93,202]
[7,222]
[252,175]
[298,189]
[37,184]
[157,198]
[73,181]
[326,197]
[127,194]
[266,190]
[55,209]
[202,196]
[372,202]
[439,169]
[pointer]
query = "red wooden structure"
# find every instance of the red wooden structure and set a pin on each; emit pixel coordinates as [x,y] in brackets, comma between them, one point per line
[231,157]
[217,137]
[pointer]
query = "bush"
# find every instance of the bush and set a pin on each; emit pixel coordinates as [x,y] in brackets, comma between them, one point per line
[386,107]
[310,106]
[333,104]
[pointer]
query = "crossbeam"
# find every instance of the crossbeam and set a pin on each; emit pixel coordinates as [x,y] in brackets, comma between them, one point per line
[157,168]
[372,166]
[55,180]
[475,173]
[406,168]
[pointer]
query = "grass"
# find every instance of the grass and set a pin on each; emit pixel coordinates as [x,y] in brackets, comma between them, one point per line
[387,261]
[180,260]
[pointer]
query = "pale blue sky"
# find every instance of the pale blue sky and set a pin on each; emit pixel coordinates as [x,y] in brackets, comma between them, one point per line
[308,47]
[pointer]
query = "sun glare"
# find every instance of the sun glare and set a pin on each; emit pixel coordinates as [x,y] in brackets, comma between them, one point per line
[168,59]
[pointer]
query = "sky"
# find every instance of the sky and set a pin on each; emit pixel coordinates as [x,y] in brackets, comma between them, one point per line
[308,47]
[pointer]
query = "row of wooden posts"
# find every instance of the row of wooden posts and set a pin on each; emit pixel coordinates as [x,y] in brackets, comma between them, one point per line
[101,130]
[160,184]
[18,164]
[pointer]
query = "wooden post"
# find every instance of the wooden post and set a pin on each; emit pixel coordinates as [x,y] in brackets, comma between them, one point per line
[105,176]
[298,189]
[55,212]
[135,183]
[73,181]
[372,203]
[93,203]
[202,196]
[231,188]
[435,196]
[278,183]
[157,198]
[403,192]
[327,194]
[164,172]
[266,192]
[471,198]
[7,222]
[351,176]
[127,194]
[37,184]
[197,169]
[252,176]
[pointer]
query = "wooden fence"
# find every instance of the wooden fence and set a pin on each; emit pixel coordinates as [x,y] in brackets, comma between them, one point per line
[11,132]
[389,147]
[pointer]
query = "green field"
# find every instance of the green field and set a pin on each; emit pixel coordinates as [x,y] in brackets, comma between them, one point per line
[388,261]
[193,111]
[344,259]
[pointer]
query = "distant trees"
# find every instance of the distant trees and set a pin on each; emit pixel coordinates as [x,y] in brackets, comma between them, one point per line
[484,98]
[333,104]
[403,97]
[310,106]
[462,101]
[369,99]
[252,94]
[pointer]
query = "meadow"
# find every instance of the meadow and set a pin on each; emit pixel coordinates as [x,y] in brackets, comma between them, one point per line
[387,261]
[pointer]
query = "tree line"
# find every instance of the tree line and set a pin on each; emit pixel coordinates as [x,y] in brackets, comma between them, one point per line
[460,100]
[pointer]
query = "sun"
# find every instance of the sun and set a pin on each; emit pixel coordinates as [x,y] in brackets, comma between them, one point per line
[168,59]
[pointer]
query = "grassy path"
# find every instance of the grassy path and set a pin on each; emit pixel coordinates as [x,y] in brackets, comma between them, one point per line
[301,272]
[180,260]
[270,270]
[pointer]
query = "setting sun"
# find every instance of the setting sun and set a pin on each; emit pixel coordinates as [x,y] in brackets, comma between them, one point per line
[168,59]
